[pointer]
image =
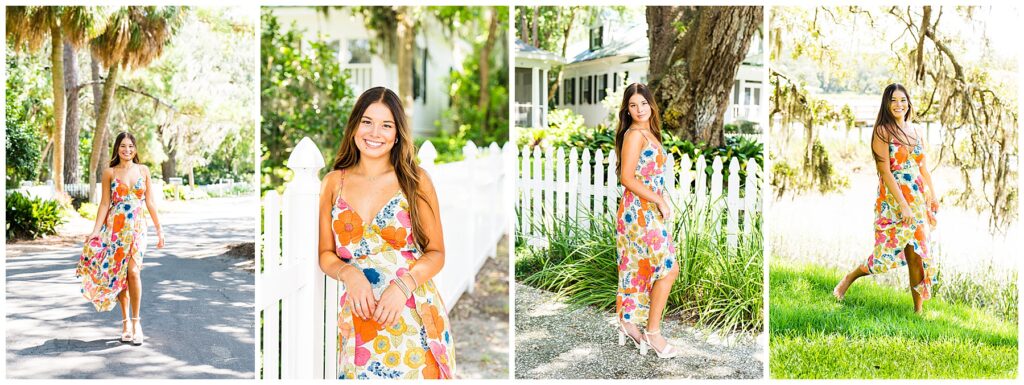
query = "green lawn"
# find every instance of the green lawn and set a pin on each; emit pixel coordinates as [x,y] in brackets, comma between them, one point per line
[874,333]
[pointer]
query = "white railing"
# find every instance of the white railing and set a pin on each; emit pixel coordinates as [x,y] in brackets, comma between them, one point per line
[360,76]
[742,112]
[78,190]
[552,186]
[299,304]
[531,115]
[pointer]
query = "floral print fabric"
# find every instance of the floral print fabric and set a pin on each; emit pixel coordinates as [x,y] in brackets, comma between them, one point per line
[421,344]
[892,236]
[643,243]
[103,264]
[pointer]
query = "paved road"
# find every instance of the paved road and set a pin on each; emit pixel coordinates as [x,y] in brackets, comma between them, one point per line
[197,303]
[555,341]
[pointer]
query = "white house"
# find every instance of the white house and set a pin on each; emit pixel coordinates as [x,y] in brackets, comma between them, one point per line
[436,54]
[616,53]
[532,67]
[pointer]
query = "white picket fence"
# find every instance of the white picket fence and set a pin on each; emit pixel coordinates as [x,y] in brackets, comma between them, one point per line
[299,303]
[552,186]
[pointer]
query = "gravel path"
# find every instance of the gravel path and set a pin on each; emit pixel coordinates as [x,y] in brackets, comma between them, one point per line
[555,340]
[480,322]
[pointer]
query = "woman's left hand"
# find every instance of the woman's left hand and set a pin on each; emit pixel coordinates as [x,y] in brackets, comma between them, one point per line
[159,240]
[390,306]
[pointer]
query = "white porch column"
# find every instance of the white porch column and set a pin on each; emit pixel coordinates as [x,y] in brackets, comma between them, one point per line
[535,93]
[542,107]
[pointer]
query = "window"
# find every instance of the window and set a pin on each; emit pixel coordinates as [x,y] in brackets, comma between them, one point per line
[615,82]
[358,51]
[586,89]
[602,88]
[569,88]
[596,38]
[736,92]
[419,74]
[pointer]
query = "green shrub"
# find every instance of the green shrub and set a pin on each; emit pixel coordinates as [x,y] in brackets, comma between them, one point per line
[31,218]
[718,288]
[88,210]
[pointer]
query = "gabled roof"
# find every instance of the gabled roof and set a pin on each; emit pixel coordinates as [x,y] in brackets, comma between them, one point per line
[527,51]
[630,41]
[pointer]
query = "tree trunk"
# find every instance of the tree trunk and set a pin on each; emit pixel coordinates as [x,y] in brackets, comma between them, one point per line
[57,70]
[692,80]
[524,28]
[99,138]
[42,159]
[536,25]
[484,102]
[565,46]
[73,126]
[406,40]
[169,166]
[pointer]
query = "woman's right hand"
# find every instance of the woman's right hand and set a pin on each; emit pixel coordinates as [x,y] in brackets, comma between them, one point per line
[666,210]
[906,215]
[360,293]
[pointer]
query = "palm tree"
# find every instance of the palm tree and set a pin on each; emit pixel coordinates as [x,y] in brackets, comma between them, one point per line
[133,38]
[29,27]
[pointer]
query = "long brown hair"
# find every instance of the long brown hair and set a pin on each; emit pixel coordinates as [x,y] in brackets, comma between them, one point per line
[114,158]
[885,124]
[403,154]
[625,120]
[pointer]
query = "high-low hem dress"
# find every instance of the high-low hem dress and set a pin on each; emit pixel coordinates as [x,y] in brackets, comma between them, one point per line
[103,264]
[892,236]
[643,242]
[421,345]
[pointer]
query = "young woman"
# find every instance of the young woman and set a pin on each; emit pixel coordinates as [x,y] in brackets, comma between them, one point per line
[380,235]
[111,261]
[646,254]
[905,207]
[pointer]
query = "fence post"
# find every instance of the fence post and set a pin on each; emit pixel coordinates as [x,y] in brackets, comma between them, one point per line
[548,185]
[750,197]
[560,185]
[574,186]
[586,191]
[733,204]
[469,153]
[523,183]
[271,263]
[537,180]
[613,185]
[599,186]
[302,197]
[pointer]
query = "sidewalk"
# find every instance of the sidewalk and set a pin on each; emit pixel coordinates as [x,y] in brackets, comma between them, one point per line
[553,340]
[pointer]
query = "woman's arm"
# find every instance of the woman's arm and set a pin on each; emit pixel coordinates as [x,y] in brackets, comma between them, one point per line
[429,216]
[927,176]
[879,146]
[104,206]
[151,206]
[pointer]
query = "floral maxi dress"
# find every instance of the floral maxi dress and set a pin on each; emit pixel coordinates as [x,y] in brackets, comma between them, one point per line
[103,265]
[891,235]
[420,345]
[643,243]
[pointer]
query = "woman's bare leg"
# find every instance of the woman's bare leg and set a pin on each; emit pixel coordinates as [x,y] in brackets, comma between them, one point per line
[122,299]
[916,268]
[134,288]
[857,272]
[659,297]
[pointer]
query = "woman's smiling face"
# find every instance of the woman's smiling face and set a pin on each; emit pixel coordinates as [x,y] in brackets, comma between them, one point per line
[126,150]
[899,104]
[376,133]
[639,108]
